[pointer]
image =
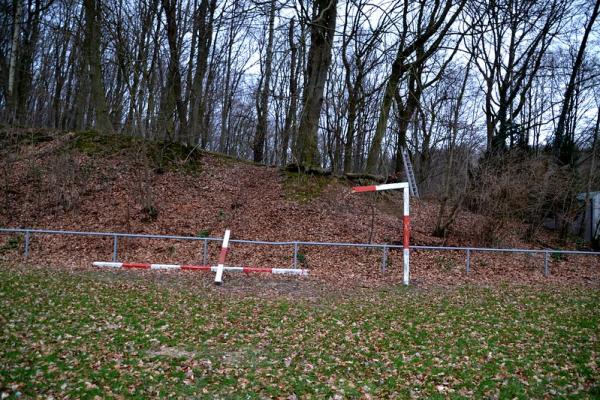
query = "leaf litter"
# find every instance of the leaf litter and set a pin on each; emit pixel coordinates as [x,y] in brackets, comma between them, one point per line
[254,202]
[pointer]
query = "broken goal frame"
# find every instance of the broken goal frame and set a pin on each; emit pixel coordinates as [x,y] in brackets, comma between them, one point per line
[219,269]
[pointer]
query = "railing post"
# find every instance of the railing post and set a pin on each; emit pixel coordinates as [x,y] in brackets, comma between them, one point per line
[115,247]
[384,259]
[205,253]
[468,260]
[26,244]
[295,255]
[546,272]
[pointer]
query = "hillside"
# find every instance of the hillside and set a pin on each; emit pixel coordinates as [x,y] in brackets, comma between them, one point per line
[91,182]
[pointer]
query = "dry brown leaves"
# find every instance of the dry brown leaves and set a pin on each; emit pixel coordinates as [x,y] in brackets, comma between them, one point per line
[251,201]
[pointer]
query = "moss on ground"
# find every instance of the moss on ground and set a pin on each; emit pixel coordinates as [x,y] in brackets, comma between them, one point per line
[227,159]
[9,138]
[303,187]
[162,155]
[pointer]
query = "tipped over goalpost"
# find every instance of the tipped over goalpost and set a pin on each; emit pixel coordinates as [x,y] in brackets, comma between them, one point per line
[405,219]
[219,269]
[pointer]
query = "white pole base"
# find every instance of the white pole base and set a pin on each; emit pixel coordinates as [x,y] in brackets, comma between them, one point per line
[406,271]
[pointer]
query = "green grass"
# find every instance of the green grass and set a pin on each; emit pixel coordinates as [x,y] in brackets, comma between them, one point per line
[71,334]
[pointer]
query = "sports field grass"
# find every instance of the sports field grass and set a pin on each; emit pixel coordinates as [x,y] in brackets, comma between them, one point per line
[70,334]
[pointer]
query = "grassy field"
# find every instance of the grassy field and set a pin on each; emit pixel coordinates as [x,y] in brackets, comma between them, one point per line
[70,334]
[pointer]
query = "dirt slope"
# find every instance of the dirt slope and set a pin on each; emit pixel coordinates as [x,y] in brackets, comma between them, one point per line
[88,182]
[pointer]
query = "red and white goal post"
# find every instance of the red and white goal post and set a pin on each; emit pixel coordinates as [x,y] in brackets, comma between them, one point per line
[405,219]
[218,269]
[222,255]
[208,268]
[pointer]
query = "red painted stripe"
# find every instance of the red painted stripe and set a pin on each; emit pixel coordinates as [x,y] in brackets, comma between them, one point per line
[136,265]
[255,269]
[359,189]
[406,231]
[223,255]
[195,267]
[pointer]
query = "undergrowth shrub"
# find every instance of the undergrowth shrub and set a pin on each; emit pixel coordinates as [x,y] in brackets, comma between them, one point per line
[143,176]
[529,188]
[66,179]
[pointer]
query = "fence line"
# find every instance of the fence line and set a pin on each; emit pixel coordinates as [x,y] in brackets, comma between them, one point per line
[384,246]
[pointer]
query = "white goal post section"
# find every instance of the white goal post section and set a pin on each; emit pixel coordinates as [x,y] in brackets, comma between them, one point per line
[222,255]
[405,218]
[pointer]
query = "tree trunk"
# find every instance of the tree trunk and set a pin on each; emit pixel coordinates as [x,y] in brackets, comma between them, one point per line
[351,125]
[290,116]
[198,100]
[319,59]
[227,97]
[92,50]
[406,112]
[173,86]
[262,110]
[151,78]
[391,87]
[60,77]
[14,51]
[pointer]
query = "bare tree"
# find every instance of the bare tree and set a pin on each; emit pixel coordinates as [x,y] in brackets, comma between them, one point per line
[432,23]
[563,145]
[173,88]
[322,31]
[509,41]
[92,50]
[357,62]
[204,25]
[452,197]
[262,106]
[289,127]
[14,50]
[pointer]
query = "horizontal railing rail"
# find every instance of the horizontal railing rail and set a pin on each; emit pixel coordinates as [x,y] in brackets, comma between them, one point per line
[28,232]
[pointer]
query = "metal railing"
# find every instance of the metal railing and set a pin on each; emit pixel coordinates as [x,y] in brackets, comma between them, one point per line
[28,233]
